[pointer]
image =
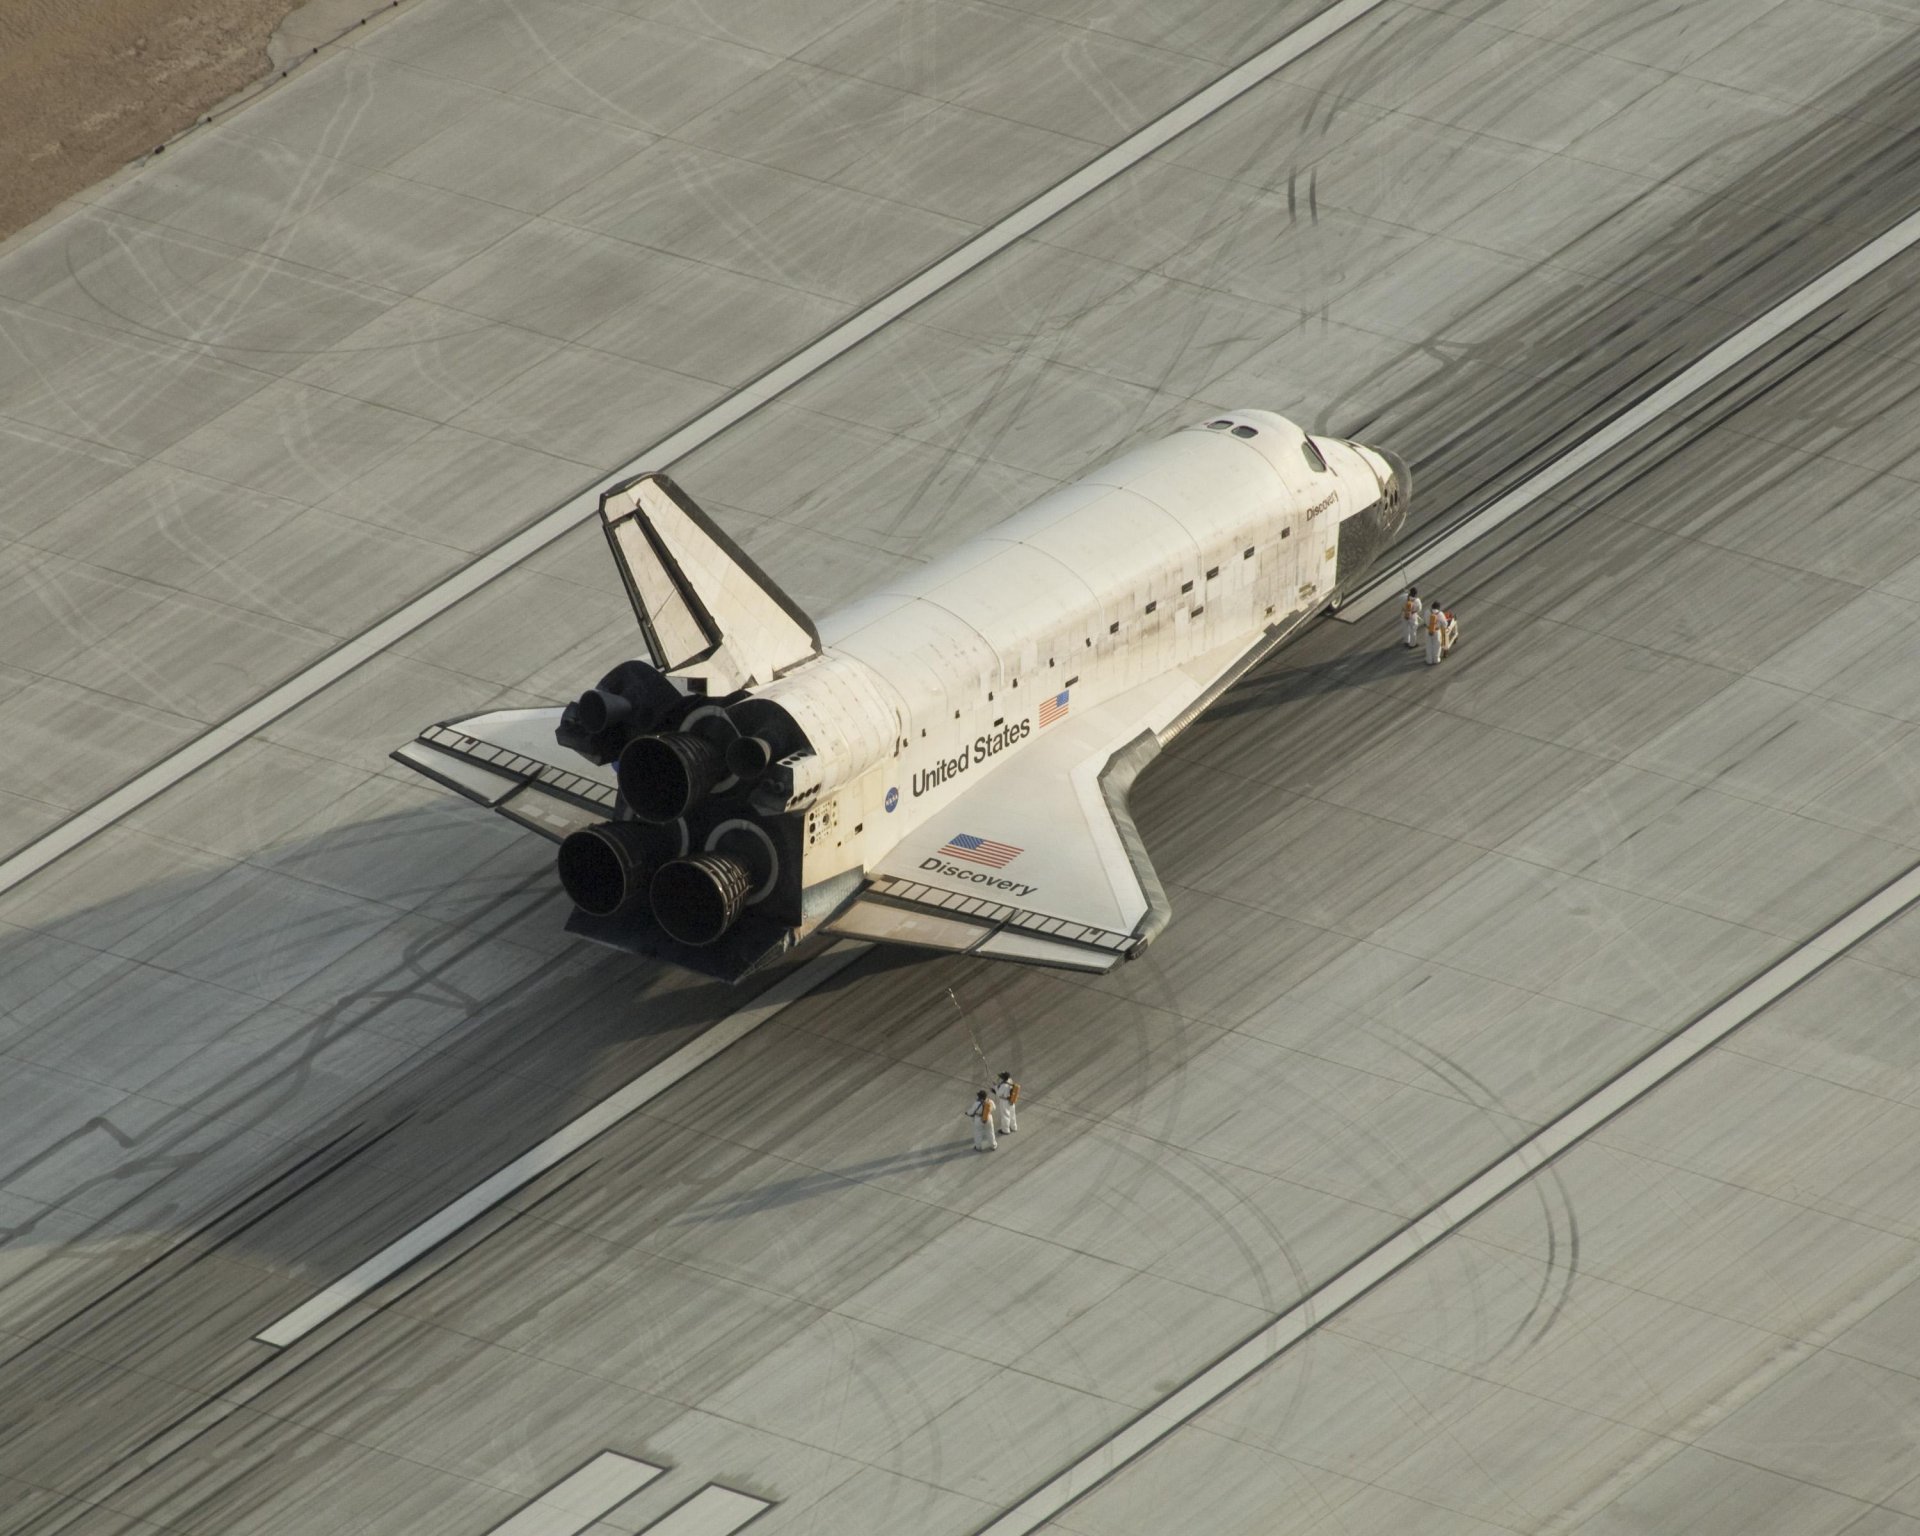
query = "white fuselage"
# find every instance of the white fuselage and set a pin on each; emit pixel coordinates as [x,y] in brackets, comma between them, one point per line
[1200,542]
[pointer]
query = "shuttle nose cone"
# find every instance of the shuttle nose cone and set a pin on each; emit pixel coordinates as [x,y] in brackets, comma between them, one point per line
[1396,490]
[1367,534]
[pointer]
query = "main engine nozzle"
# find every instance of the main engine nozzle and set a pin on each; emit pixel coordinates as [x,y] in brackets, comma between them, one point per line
[696,899]
[665,776]
[607,867]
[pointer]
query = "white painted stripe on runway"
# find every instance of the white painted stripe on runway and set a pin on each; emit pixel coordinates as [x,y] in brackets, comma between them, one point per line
[370,642]
[713,1511]
[1464,1203]
[563,1143]
[1736,349]
[581,1498]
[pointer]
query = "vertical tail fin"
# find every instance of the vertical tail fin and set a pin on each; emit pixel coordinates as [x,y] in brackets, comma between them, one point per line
[701,603]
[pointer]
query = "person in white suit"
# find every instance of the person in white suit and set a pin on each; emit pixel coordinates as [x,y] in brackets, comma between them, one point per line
[1410,618]
[980,1112]
[1006,1100]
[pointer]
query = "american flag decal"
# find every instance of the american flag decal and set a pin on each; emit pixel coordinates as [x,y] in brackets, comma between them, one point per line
[1052,709]
[980,850]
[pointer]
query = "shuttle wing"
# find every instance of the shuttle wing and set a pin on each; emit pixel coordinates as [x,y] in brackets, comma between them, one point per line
[1040,860]
[496,760]
[703,606]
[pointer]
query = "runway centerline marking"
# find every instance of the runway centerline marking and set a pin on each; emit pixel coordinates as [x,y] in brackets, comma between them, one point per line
[1736,349]
[1471,1198]
[749,397]
[554,1149]
[713,1511]
[581,1497]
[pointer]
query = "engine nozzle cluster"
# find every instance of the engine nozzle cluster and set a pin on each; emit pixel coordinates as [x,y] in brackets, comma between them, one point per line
[688,852]
[614,869]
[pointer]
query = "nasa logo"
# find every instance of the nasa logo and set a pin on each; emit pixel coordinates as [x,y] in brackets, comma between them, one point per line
[893,798]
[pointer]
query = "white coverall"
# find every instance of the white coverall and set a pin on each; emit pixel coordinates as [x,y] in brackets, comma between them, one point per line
[1449,635]
[1436,621]
[980,1112]
[1005,1109]
[1410,617]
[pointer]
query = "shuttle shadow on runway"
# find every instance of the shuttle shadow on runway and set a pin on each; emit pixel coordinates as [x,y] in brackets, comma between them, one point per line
[393,1000]
[308,1050]
[234,1080]
[1279,683]
[290,1059]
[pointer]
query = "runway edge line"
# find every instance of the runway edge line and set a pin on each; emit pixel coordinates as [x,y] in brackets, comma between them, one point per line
[1469,1200]
[1736,349]
[556,1148]
[709,424]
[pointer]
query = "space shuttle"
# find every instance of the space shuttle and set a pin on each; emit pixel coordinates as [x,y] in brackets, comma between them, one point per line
[946,762]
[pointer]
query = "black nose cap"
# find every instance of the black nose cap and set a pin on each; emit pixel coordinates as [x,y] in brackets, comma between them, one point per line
[1398,489]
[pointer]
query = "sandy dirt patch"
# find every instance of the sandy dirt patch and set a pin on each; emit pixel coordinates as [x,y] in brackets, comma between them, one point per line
[88,85]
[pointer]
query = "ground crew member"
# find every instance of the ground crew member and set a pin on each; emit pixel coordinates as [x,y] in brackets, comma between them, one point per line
[981,1114]
[1436,633]
[1410,619]
[1449,634]
[1006,1095]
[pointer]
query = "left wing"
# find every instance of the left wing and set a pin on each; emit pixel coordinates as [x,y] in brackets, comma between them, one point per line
[497,760]
[1041,861]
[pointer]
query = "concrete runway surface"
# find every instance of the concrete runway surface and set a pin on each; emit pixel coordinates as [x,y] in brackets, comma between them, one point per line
[318,358]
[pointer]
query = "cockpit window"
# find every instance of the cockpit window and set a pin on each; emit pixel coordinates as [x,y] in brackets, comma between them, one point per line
[1245,431]
[1215,426]
[1314,461]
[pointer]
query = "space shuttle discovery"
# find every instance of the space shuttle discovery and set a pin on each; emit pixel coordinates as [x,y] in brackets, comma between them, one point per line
[946,762]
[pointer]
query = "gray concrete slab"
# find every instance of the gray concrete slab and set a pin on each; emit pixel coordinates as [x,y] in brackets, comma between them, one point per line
[1716,1493]
[1669,40]
[1726,1336]
[451,486]
[651,74]
[393,227]
[296,1004]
